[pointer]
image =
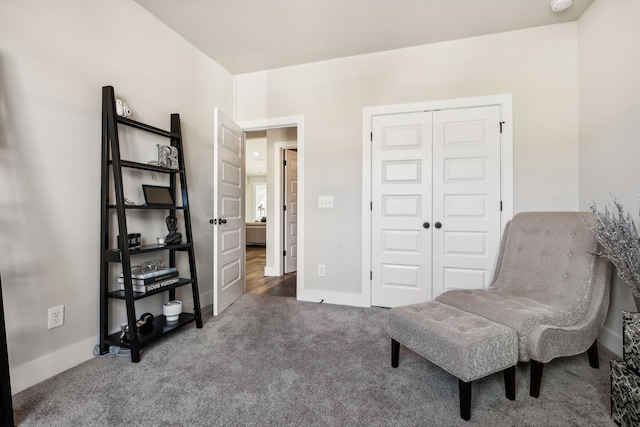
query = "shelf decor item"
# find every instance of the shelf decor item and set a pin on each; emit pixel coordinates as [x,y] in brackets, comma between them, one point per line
[173,237]
[141,280]
[122,109]
[167,156]
[617,234]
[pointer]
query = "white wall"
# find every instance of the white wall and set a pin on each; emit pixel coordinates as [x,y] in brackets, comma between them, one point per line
[609,94]
[54,59]
[538,66]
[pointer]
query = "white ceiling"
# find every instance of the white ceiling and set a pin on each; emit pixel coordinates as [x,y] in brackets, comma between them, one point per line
[253,35]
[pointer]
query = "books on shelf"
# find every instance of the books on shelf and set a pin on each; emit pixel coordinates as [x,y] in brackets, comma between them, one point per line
[151,273]
[149,280]
[153,286]
[145,282]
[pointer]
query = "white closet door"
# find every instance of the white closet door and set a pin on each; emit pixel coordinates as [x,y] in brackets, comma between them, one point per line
[435,220]
[401,203]
[466,197]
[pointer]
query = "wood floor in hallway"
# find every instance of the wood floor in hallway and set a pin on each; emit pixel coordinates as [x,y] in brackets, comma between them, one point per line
[258,283]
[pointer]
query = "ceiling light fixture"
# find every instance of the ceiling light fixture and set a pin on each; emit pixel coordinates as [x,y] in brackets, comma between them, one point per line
[559,5]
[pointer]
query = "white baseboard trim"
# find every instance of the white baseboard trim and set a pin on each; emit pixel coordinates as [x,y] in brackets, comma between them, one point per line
[49,365]
[270,271]
[33,372]
[329,297]
[611,340]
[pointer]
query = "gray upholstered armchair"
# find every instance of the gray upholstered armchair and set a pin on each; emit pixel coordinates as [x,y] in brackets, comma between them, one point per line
[549,287]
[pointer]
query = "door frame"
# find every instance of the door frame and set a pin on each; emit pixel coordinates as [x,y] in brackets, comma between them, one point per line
[275,250]
[505,101]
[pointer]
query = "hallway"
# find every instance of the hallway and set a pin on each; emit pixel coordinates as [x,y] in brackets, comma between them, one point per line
[258,283]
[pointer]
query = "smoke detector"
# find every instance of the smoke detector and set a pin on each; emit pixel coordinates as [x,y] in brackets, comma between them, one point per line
[559,5]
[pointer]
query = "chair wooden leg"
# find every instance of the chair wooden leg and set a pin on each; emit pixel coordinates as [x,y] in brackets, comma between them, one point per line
[536,378]
[395,353]
[510,383]
[464,389]
[593,355]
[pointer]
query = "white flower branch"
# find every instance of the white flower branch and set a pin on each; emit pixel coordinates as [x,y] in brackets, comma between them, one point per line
[618,236]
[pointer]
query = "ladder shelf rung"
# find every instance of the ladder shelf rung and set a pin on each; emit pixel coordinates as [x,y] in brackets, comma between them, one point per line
[146,166]
[115,255]
[146,127]
[144,207]
[120,294]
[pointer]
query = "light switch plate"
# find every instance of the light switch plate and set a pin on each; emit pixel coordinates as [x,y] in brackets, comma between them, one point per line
[325,202]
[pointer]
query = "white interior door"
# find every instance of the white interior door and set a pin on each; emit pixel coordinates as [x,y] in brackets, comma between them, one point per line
[466,197]
[291,211]
[228,211]
[401,204]
[436,209]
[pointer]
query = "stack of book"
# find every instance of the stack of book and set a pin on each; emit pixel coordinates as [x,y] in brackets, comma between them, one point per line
[145,282]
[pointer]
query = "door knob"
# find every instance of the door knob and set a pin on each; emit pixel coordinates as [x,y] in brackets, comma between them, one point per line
[222,221]
[426,225]
[437,225]
[212,221]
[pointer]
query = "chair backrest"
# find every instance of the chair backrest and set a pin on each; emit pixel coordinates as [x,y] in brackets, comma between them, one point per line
[549,256]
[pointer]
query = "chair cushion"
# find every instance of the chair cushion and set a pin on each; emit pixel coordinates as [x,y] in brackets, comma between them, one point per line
[544,275]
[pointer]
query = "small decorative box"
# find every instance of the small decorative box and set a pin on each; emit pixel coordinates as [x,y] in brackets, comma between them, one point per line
[631,340]
[625,395]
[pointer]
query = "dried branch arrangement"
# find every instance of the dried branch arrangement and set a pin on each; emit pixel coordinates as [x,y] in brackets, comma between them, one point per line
[617,234]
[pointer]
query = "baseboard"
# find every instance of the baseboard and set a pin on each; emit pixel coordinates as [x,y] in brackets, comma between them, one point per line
[33,372]
[611,340]
[329,297]
[38,370]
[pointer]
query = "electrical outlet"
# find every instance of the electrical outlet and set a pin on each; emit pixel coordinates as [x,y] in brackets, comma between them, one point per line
[321,270]
[56,316]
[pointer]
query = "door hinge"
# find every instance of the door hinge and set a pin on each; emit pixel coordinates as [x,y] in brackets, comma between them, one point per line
[284,253]
[284,162]
[371,205]
[500,205]
[371,275]
[284,208]
[501,123]
[371,136]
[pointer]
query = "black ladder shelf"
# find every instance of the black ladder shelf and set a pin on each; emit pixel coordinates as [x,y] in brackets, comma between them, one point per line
[112,174]
[6,403]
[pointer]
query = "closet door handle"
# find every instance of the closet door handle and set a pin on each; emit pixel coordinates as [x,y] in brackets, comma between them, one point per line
[437,225]
[426,225]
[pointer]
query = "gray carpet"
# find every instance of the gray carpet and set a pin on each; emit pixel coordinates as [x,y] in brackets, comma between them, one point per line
[269,361]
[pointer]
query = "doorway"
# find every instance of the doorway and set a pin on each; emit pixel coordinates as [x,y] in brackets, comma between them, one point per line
[271,211]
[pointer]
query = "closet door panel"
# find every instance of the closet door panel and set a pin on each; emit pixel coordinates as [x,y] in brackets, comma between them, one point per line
[466,197]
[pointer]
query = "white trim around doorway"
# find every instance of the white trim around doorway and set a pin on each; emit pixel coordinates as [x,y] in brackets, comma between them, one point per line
[283,122]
